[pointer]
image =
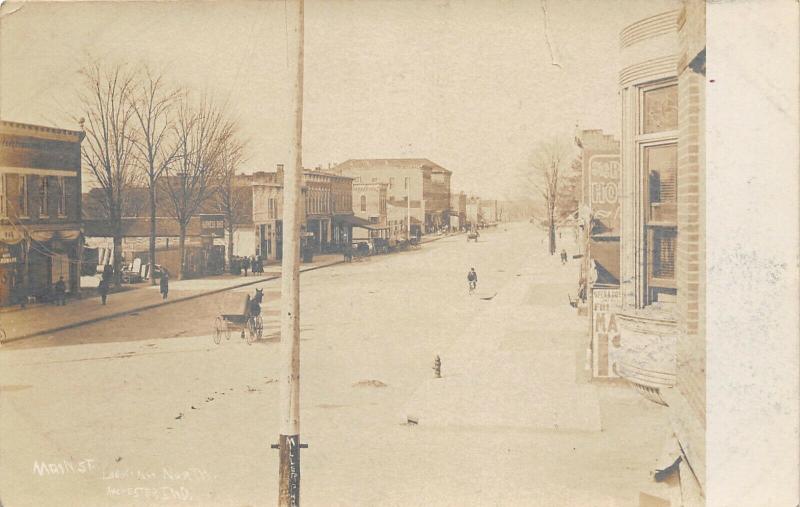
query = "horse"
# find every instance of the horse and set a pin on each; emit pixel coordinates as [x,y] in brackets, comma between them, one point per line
[255,303]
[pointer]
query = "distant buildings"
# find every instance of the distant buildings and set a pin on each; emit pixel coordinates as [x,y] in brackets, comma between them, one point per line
[328,212]
[458,210]
[40,210]
[369,203]
[490,211]
[473,212]
[420,186]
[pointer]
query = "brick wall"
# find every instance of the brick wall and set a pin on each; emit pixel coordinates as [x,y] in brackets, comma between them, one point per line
[690,256]
[691,234]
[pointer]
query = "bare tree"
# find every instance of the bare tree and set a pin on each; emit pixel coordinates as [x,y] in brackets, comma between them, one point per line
[548,163]
[569,192]
[108,149]
[152,104]
[231,198]
[201,133]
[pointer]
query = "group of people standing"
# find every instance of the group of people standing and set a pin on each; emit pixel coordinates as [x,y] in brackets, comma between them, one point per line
[243,265]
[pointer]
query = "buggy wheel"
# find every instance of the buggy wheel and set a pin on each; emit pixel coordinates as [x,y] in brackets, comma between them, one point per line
[250,333]
[259,326]
[219,328]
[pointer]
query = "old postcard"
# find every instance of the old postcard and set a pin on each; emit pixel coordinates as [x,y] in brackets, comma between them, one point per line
[450,252]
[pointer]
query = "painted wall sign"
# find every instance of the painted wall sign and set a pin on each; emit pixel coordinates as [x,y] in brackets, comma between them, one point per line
[25,151]
[606,302]
[604,171]
[212,225]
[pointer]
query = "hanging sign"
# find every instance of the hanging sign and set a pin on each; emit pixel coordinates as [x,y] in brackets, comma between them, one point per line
[606,302]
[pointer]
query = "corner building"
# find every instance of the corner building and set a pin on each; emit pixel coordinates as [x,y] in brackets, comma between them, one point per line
[662,321]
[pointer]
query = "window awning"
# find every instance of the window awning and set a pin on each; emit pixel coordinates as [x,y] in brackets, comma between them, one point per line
[606,256]
[351,220]
[374,227]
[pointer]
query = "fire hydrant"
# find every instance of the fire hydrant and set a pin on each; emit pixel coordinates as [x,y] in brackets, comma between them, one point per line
[437,367]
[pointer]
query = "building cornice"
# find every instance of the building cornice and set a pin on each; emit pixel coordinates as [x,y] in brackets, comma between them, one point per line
[40,131]
[648,28]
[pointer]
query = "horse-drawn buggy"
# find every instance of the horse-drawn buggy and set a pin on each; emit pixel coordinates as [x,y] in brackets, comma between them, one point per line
[248,323]
[473,235]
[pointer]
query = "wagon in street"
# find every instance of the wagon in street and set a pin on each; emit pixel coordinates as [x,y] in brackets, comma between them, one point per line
[248,324]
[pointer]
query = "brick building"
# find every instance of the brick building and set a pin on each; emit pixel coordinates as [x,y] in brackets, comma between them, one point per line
[662,322]
[417,184]
[328,211]
[40,210]
[369,203]
[458,210]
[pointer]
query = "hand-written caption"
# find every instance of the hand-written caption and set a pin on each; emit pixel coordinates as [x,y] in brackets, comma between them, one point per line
[165,484]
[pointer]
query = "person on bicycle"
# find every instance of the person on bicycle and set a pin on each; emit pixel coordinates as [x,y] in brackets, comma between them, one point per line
[472,278]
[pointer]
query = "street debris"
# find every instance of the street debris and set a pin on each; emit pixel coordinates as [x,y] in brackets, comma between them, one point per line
[369,383]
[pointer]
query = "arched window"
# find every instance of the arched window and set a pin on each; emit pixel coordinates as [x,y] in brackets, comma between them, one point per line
[363,203]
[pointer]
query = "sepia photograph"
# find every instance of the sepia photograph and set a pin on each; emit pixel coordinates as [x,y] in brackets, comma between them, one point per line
[452,252]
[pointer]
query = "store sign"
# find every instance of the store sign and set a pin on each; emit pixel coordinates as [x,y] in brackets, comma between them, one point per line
[604,188]
[606,302]
[10,235]
[212,225]
[29,151]
[6,257]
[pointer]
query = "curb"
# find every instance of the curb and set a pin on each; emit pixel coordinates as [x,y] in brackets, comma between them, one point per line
[157,305]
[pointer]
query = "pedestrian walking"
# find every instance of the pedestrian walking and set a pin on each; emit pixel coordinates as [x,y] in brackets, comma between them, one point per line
[61,291]
[163,285]
[472,279]
[102,288]
[563,256]
[245,265]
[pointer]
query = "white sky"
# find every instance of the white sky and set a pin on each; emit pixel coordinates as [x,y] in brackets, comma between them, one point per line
[469,85]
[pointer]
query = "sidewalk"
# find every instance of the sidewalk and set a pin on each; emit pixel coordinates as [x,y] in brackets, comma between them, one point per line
[46,318]
[518,370]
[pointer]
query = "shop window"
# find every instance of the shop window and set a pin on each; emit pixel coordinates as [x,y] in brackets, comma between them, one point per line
[660,109]
[661,285]
[660,164]
[3,195]
[44,196]
[62,197]
[22,203]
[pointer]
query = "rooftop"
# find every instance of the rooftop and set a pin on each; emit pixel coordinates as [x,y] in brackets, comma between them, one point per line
[410,163]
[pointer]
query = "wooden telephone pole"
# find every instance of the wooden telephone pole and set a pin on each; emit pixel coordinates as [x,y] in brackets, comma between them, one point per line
[289,440]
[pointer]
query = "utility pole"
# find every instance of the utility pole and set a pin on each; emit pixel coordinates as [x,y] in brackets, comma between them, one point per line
[289,439]
[408,208]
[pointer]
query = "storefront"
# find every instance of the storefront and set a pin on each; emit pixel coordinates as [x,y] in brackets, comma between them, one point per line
[31,264]
[40,211]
